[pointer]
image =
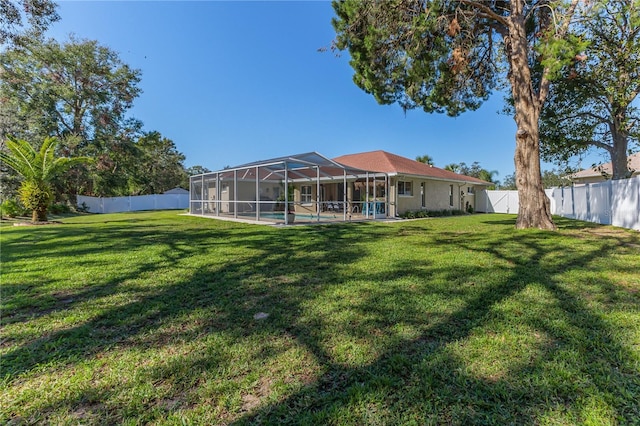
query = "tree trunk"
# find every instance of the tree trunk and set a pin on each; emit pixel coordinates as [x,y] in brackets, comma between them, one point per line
[534,210]
[39,215]
[619,166]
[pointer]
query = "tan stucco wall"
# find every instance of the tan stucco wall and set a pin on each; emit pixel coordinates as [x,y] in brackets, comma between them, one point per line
[436,195]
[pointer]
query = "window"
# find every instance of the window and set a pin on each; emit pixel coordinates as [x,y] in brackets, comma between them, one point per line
[404,188]
[423,196]
[305,194]
[451,195]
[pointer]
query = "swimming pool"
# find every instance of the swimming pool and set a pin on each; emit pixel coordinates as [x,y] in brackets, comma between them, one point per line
[302,217]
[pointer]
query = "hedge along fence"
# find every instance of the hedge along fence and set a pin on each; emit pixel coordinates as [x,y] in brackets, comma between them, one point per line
[609,203]
[134,203]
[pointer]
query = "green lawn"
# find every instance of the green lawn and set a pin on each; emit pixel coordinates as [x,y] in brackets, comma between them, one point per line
[149,318]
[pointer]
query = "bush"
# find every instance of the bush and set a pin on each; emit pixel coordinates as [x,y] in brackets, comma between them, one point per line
[12,208]
[431,213]
[84,208]
[59,208]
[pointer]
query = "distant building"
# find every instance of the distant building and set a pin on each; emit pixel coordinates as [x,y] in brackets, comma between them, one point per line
[604,171]
[176,191]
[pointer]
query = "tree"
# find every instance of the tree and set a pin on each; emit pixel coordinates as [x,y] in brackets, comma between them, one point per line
[160,165]
[475,170]
[509,182]
[79,91]
[426,159]
[453,167]
[197,170]
[192,171]
[592,106]
[37,168]
[489,176]
[38,14]
[556,178]
[446,56]
[550,179]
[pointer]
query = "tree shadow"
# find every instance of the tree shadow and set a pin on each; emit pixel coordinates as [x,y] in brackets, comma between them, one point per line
[526,391]
[412,322]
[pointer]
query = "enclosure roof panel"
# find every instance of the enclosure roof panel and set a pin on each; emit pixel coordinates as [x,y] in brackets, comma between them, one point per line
[299,165]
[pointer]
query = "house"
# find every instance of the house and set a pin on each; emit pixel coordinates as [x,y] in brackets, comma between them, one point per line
[604,171]
[310,187]
[176,191]
[418,186]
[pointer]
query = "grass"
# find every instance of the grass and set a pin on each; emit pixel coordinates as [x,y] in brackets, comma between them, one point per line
[145,318]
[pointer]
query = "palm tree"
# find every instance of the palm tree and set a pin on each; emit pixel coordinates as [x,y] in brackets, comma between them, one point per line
[488,176]
[426,159]
[455,168]
[37,168]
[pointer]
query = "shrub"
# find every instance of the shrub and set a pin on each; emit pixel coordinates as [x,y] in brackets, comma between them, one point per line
[12,208]
[431,213]
[60,208]
[84,208]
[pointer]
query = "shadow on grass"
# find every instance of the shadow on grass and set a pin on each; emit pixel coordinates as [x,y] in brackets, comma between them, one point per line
[577,366]
[418,372]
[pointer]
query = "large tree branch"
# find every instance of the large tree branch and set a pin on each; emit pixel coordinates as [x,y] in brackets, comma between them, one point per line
[599,118]
[486,10]
[597,144]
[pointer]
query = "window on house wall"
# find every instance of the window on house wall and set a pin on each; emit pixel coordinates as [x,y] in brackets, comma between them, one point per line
[451,195]
[404,188]
[305,194]
[423,196]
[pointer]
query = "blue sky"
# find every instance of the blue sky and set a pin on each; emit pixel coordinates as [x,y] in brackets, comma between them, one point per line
[235,82]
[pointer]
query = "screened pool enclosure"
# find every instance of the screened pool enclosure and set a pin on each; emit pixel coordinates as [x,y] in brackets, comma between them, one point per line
[302,188]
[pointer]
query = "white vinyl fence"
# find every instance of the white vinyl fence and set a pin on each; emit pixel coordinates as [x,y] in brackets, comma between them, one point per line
[609,203]
[134,203]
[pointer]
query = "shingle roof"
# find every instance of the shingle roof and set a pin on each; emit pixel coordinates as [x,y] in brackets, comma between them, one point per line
[633,161]
[382,161]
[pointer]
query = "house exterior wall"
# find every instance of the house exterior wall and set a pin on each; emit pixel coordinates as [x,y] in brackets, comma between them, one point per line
[588,179]
[437,195]
[307,208]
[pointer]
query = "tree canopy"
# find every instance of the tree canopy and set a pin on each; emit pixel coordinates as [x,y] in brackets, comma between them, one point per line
[448,56]
[81,92]
[550,179]
[475,170]
[595,103]
[426,159]
[21,19]
[159,165]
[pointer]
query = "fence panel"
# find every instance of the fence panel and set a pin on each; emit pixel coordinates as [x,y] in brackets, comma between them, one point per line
[625,203]
[115,204]
[581,202]
[600,203]
[497,201]
[609,203]
[175,201]
[134,203]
